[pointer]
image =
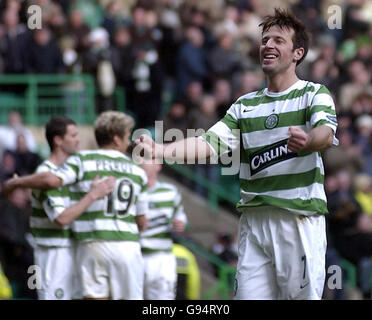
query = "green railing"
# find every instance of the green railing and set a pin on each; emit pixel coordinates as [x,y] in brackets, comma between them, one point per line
[216,192]
[41,95]
[223,289]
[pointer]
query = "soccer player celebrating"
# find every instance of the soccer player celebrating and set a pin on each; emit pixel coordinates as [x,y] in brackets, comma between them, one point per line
[280,131]
[53,211]
[110,264]
[165,215]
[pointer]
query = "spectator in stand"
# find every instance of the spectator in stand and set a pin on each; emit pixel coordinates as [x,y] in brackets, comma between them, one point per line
[320,72]
[224,248]
[229,23]
[123,57]
[96,60]
[43,53]
[57,21]
[360,81]
[193,96]
[145,98]
[170,25]
[363,133]
[198,18]
[346,156]
[114,18]
[192,60]
[250,80]
[222,92]
[14,246]
[9,133]
[361,105]
[140,33]
[152,23]
[350,228]
[13,42]
[78,30]
[363,139]
[363,192]
[223,60]
[176,117]
[26,160]
[204,118]
[7,167]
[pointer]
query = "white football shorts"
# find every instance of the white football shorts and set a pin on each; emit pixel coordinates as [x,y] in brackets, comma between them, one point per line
[111,269]
[281,255]
[59,278]
[160,276]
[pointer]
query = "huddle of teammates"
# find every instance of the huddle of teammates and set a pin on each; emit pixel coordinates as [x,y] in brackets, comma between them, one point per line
[93,210]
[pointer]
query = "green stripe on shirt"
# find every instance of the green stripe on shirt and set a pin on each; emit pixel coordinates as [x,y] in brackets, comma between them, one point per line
[282,182]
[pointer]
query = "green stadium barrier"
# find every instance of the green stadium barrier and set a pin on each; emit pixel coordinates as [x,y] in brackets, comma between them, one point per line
[48,94]
[120,99]
[351,273]
[227,189]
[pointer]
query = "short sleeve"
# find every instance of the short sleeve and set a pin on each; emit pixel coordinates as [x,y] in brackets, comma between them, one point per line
[323,112]
[70,171]
[224,136]
[54,202]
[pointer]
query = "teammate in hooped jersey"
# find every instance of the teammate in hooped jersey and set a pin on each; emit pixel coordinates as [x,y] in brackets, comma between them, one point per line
[280,131]
[165,215]
[110,264]
[52,213]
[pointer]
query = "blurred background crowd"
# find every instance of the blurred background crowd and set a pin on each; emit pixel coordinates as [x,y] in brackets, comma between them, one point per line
[185,62]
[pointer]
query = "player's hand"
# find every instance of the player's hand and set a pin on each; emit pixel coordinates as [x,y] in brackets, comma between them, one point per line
[142,222]
[146,149]
[178,225]
[101,188]
[9,186]
[298,139]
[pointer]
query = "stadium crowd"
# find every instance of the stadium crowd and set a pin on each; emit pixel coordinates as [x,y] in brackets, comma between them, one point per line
[203,54]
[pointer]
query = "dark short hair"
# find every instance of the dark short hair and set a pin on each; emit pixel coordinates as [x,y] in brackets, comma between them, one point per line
[285,19]
[57,126]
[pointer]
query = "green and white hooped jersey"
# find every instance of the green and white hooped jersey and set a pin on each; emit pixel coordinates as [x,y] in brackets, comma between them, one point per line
[111,218]
[47,205]
[164,206]
[270,174]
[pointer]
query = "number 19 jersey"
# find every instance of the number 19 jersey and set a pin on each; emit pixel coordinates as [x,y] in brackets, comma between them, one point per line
[111,218]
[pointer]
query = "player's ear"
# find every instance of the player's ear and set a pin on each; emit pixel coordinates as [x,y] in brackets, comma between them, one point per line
[298,54]
[57,141]
[116,140]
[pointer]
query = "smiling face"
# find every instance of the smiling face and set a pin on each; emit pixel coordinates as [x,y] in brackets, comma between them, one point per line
[276,51]
[70,141]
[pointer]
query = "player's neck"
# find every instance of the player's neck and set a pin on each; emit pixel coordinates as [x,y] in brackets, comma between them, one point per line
[58,157]
[151,183]
[281,82]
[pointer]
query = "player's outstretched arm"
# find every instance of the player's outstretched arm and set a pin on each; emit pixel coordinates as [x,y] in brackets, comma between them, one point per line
[317,139]
[192,148]
[97,191]
[43,180]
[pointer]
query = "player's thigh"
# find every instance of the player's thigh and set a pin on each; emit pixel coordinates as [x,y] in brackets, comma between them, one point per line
[301,259]
[160,276]
[92,270]
[126,269]
[255,275]
[57,267]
